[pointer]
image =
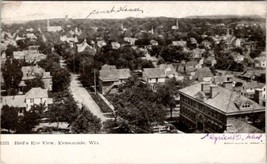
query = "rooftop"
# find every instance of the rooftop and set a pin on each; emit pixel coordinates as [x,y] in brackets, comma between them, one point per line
[37,93]
[112,74]
[204,72]
[153,72]
[15,101]
[223,101]
[238,126]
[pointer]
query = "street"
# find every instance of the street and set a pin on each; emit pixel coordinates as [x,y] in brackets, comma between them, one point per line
[81,95]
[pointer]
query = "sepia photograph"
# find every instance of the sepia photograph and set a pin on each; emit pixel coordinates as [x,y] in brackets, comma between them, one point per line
[133,67]
[133,82]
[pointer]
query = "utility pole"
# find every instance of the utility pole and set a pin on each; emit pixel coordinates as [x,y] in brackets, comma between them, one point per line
[95,81]
[73,63]
[83,68]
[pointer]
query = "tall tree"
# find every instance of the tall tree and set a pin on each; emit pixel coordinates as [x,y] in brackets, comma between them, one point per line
[86,122]
[9,117]
[12,74]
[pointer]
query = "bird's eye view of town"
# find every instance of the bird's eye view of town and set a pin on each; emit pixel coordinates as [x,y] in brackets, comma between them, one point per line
[120,69]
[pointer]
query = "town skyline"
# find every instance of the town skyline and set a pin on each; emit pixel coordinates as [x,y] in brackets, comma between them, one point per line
[27,11]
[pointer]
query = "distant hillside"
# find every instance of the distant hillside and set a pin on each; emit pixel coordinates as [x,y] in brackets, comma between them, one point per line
[227,17]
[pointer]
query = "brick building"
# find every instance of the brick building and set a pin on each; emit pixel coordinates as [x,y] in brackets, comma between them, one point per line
[208,108]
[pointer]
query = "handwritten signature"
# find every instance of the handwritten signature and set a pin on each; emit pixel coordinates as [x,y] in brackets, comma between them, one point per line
[232,137]
[116,10]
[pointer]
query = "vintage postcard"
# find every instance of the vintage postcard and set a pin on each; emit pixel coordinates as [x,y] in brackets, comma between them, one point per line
[133,82]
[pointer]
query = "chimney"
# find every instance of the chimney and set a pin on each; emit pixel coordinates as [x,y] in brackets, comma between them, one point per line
[205,87]
[214,90]
[258,96]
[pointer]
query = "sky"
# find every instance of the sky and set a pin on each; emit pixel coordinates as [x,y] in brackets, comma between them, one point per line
[21,11]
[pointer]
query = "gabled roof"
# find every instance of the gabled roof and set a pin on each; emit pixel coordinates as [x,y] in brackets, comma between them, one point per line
[223,101]
[197,53]
[108,67]
[81,47]
[30,72]
[153,73]
[15,101]
[179,43]
[259,59]
[37,93]
[204,72]
[253,85]
[168,69]
[191,64]
[114,74]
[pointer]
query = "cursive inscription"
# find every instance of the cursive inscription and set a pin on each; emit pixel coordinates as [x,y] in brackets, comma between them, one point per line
[116,10]
[232,137]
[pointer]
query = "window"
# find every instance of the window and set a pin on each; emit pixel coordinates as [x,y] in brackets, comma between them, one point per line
[31,100]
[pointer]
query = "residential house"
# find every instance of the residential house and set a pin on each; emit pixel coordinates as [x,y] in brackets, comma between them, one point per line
[30,30]
[248,89]
[248,75]
[197,53]
[29,55]
[193,40]
[31,36]
[224,80]
[237,57]
[180,43]
[203,74]
[84,46]
[148,57]
[210,61]
[19,38]
[17,101]
[154,43]
[206,44]
[208,108]
[153,76]
[130,40]
[260,62]
[170,72]
[237,42]
[115,45]
[37,96]
[110,76]
[70,39]
[31,72]
[190,68]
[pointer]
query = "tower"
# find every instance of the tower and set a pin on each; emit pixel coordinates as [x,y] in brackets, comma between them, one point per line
[177,26]
[48,24]
[152,30]
[66,18]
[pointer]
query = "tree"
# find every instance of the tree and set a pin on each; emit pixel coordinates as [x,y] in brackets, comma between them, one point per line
[9,117]
[30,119]
[166,94]
[61,79]
[138,105]
[33,83]
[86,122]
[64,108]
[12,74]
